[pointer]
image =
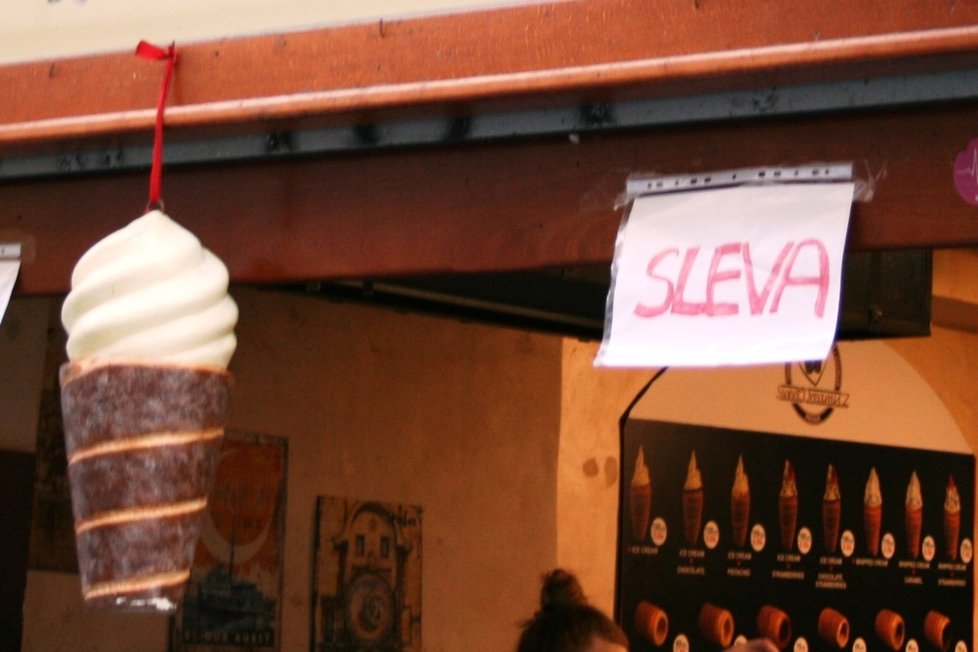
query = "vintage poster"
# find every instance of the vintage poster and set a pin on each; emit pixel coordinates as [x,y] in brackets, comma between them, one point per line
[234,597]
[815,544]
[366,579]
[52,546]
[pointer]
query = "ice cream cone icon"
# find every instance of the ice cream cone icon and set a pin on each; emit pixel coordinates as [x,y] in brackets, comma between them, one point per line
[913,515]
[640,497]
[831,510]
[788,506]
[692,502]
[872,513]
[740,505]
[952,519]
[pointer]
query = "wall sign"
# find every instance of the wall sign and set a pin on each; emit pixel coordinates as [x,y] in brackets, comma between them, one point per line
[812,543]
[233,600]
[9,268]
[366,581]
[741,275]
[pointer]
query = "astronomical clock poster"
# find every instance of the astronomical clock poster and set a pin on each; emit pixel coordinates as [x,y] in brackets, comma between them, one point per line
[366,580]
[234,596]
[815,544]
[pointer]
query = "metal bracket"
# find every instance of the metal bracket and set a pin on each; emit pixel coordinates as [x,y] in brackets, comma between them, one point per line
[646,184]
[10,250]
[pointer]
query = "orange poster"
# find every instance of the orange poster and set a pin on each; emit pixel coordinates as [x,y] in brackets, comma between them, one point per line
[233,599]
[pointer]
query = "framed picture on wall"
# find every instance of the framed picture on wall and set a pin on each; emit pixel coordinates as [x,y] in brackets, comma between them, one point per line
[52,544]
[233,600]
[366,579]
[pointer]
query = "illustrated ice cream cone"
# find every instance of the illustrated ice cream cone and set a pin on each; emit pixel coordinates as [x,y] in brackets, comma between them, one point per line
[890,629]
[937,630]
[872,513]
[651,622]
[788,506]
[740,504]
[952,519]
[774,625]
[145,396]
[913,516]
[833,627]
[692,502]
[831,510]
[640,497]
[716,624]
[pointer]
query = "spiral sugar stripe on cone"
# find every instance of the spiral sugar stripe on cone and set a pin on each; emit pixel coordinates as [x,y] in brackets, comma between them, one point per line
[142,444]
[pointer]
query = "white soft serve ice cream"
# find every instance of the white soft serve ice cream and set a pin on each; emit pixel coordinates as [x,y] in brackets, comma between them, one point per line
[150,293]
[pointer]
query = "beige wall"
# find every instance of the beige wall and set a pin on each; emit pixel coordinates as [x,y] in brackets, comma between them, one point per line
[461,419]
[508,440]
[34,30]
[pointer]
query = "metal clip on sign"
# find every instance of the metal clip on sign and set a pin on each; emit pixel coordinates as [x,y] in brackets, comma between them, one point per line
[644,184]
[10,250]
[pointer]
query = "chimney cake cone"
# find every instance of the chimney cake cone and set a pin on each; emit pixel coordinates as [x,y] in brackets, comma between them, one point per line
[140,467]
[145,397]
[640,497]
[872,513]
[913,516]
[692,502]
[788,507]
[831,510]
[716,624]
[833,627]
[952,519]
[740,505]
[890,629]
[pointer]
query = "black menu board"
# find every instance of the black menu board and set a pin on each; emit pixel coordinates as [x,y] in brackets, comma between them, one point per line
[816,544]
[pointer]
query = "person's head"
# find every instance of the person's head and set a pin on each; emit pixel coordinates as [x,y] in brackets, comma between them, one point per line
[565,621]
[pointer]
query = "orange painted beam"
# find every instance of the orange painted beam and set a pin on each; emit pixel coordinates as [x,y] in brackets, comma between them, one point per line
[520,204]
[541,54]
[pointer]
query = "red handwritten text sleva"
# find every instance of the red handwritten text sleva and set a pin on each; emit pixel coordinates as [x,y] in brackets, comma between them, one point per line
[730,263]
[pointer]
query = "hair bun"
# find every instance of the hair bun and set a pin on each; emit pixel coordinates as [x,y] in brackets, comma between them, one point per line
[561,590]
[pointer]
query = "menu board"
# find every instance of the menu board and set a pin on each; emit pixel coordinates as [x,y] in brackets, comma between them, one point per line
[815,544]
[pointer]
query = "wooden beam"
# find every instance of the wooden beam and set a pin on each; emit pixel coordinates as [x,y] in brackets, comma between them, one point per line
[519,204]
[541,54]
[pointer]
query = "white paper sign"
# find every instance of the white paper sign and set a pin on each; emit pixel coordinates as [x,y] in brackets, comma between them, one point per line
[8,274]
[729,276]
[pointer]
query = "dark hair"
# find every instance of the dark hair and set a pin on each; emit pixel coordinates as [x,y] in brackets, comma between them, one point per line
[565,621]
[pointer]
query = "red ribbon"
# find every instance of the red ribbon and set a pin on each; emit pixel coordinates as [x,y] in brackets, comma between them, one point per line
[154,52]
